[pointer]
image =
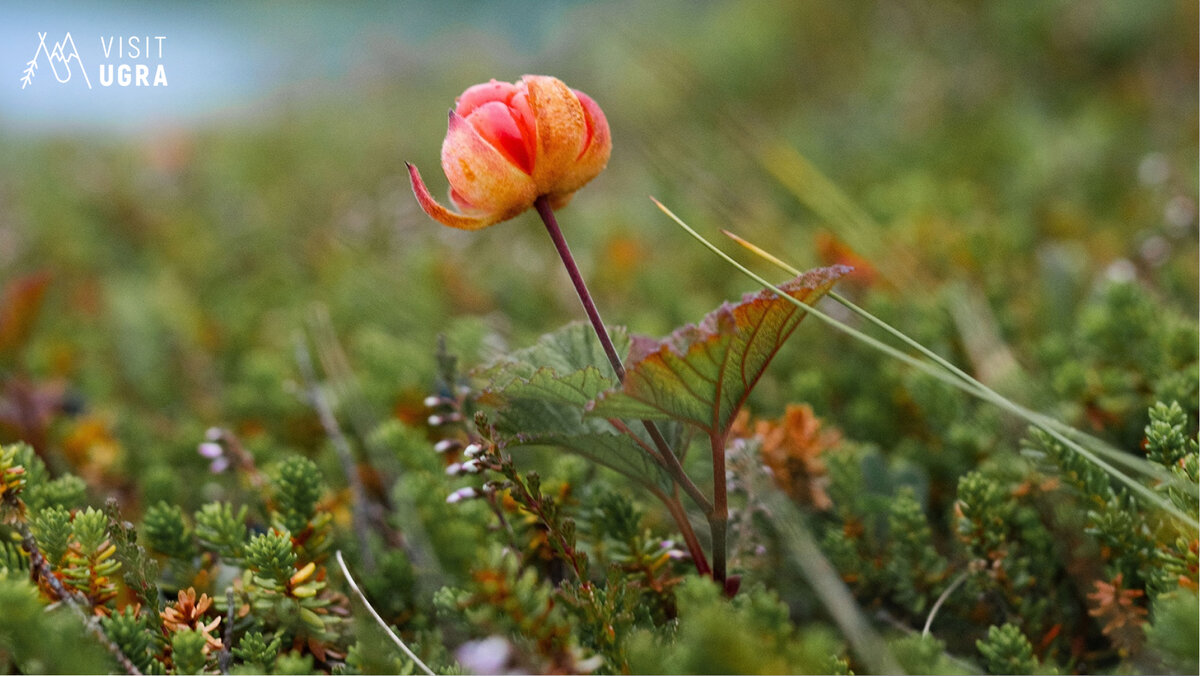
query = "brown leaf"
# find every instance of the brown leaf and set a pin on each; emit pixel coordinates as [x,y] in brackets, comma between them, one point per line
[791,447]
[1118,609]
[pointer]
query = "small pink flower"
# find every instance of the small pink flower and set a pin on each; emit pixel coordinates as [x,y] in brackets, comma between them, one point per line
[210,450]
[509,144]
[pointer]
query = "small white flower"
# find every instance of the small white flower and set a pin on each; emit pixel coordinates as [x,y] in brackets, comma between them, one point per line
[462,494]
[491,655]
[436,420]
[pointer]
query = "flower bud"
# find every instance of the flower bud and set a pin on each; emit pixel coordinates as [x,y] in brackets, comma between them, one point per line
[509,144]
[436,420]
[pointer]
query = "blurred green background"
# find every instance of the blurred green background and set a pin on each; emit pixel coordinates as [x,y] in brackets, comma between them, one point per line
[1003,159]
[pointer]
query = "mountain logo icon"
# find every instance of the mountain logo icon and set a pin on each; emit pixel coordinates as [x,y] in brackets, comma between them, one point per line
[63,59]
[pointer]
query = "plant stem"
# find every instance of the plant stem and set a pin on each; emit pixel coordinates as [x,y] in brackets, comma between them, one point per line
[685,528]
[675,469]
[672,501]
[589,306]
[718,519]
[666,455]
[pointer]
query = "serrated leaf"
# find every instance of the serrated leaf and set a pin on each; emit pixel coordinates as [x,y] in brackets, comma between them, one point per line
[538,395]
[575,388]
[569,349]
[531,422]
[703,374]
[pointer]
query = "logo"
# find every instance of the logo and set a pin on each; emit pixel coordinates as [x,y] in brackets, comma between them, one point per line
[63,59]
[126,61]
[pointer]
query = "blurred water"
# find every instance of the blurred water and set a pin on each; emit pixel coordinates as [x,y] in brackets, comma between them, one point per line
[220,60]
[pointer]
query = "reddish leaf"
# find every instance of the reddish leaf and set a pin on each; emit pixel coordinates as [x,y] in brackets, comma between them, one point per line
[703,374]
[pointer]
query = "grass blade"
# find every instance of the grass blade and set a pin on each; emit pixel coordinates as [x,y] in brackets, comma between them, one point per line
[956,377]
[371,609]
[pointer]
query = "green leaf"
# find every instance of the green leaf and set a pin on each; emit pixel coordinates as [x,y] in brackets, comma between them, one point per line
[571,348]
[576,388]
[703,374]
[539,394]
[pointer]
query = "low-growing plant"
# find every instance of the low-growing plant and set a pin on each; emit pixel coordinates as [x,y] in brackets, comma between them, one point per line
[537,512]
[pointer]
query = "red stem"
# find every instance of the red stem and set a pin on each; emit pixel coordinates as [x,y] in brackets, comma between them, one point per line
[718,519]
[716,511]
[685,528]
[589,306]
